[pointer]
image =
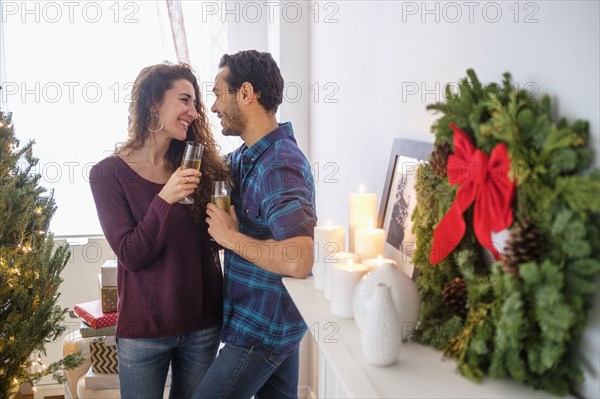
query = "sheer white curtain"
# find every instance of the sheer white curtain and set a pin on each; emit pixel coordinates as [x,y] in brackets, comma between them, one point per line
[69,72]
[3,103]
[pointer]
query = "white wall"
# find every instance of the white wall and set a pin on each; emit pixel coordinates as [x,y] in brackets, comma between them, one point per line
[376,59]
[378,52]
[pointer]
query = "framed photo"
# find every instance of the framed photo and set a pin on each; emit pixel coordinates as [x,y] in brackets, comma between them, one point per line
[398,201]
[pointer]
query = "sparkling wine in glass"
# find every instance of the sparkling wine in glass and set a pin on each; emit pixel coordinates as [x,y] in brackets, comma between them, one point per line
[221,195]
[192,158]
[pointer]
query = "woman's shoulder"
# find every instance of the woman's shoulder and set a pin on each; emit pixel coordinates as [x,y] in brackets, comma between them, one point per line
[109,160]
[107,166]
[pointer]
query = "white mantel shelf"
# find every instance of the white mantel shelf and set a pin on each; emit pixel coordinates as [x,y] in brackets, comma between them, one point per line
[419,372]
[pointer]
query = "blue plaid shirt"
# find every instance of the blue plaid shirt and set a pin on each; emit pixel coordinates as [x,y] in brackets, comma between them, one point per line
[274,196]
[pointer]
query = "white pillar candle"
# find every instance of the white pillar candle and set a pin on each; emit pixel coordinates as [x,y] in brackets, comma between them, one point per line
[362,210]
[346,277]
[369,242]
[339,258]
[373,263]
[329,240]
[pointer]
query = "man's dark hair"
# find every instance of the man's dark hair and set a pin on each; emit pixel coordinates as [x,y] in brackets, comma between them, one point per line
[260,70]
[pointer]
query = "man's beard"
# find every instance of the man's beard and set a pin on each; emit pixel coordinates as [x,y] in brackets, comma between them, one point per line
[237,122]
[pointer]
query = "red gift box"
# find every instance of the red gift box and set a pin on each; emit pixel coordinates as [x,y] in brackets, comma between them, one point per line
[92,313]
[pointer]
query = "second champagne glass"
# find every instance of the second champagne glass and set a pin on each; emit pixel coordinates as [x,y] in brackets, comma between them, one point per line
[220,195]
[192,158]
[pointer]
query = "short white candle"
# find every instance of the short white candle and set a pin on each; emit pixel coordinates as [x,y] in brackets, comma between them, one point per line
[340,257]
[362,209]
[329,240]
[346,277]
[369,242]
[373,263]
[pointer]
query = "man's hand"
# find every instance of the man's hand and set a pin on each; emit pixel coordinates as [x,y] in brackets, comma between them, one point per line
[290,257]
[221,225]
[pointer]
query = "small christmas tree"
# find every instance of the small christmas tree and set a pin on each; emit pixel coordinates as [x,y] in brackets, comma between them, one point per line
[30,267]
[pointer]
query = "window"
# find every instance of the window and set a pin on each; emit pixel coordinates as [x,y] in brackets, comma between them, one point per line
[69,72]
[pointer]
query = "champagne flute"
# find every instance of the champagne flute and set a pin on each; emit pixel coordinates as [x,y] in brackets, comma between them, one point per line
[192,158]
[221,195]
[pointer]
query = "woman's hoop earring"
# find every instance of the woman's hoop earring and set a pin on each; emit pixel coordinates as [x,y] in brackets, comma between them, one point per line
[149,121]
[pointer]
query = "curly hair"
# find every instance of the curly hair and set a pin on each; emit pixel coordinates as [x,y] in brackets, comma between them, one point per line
[260,70]
[149,89]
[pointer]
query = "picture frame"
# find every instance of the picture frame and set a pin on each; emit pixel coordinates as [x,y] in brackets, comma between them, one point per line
[398,201]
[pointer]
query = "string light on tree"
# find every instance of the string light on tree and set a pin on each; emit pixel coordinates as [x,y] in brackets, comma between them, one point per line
[30,266]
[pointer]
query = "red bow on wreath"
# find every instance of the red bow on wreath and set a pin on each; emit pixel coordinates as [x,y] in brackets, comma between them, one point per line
[481,179]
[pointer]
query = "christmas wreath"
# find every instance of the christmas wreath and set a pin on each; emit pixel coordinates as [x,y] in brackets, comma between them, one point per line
[516,308]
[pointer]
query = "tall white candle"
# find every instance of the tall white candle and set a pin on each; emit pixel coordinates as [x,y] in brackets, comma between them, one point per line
[362,209]
[339,258]
[346,277]
[369,242]
[329,240]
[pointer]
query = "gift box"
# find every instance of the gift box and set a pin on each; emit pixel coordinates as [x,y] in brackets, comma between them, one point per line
[109,299]
[103,357]
[108,273]
[87,331]
[101,381]
[91,312]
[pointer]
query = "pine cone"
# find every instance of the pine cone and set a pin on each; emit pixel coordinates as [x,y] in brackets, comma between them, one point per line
[439,159]
[454,296]
[522,246]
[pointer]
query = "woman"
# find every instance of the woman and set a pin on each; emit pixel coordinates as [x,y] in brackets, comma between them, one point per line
[169,277]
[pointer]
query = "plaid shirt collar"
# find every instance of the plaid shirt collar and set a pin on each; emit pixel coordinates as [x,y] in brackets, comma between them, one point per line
[250,155]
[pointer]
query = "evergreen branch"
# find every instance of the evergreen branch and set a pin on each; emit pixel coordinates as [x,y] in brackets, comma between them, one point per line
[30,267]
[544,303]
[581,193]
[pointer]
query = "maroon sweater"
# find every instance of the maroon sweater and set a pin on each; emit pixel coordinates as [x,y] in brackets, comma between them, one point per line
[169,277]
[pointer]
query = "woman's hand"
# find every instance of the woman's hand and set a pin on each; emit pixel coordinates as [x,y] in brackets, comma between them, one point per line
[181,183]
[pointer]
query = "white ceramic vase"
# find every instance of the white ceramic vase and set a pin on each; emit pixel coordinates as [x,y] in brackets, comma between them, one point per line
[405,297]
[381,335]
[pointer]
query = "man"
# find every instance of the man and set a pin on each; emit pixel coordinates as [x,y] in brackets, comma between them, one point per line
[267,234]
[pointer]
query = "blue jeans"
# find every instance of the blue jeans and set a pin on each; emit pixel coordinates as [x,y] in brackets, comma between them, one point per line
[144,363]
[239,373]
